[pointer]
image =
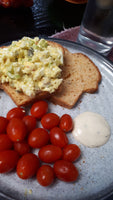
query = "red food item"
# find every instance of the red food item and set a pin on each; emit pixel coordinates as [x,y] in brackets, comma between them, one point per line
[38,138]
[58,137]
[71,152]
[8,160]
[27,3]
[16,3]
[16,130]
[16,112]
[5,142]
[30,122]
[22,147]
[39,109]
[66,123]
[5,3]
[65,171]
[27,166]
[45,175]
[3,124]
[50,120]
[17,125]
[50,153]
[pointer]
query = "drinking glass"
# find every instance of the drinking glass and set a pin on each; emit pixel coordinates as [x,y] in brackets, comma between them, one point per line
[96,30]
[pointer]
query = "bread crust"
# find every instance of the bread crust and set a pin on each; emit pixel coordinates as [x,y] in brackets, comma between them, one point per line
[20,99]
[80,75]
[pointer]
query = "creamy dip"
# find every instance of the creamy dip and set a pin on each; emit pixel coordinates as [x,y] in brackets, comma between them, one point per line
[91,129]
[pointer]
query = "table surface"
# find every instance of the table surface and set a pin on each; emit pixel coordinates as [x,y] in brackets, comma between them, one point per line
[44,18]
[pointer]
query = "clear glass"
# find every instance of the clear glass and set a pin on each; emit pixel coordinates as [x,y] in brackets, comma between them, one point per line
[96,30]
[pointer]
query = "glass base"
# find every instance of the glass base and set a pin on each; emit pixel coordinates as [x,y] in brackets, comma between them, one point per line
[93,44]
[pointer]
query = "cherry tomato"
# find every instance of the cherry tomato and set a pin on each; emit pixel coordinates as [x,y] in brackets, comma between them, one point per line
[58,137]
[22,147]
[50,153]
[66,123]
[6,3]
[50,120]
[27,166]
[16,112]
[71,152]
[5,142]
[16,130]
[65,171]
[3,124]
[45,175]
[38,137]
[30,122]
[8,160]
[39,109]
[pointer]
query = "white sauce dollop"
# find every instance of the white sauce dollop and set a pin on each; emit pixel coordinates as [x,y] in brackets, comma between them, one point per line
[91,129]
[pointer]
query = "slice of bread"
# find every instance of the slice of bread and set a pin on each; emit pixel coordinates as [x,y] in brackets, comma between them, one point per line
[20,99]
[79,75]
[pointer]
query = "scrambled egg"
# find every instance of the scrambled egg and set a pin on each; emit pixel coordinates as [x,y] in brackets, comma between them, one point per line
[30,65]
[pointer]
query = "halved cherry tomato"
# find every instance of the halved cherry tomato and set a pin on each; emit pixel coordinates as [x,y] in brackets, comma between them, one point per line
[39,109]
[65,171]
[8,160]
[66,123]
[58,137]
[50,153]
[27,166]
[38,137]
[71,152]
[45,175]
[50,120]
[22,147]
[5,142]
[3,124]
[16,130]
[16,112]
[30,122]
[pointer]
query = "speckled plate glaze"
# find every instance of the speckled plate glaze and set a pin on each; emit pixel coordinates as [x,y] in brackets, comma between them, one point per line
[95,164]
